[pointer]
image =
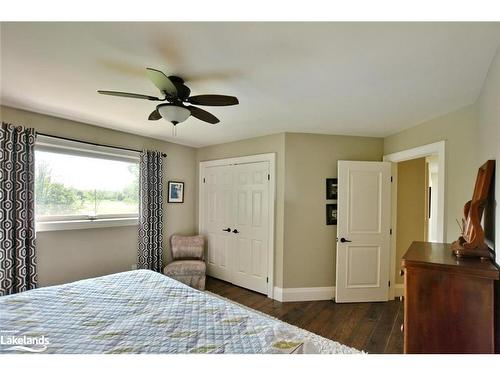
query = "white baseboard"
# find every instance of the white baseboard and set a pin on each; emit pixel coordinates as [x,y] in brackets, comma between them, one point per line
[304,294]
[317,294]
[399,290]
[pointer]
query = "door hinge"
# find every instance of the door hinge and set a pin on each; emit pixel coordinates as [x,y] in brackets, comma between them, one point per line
[267,279]
[390,231]
[203,179]
[268,177]
[389,283]
[391,178]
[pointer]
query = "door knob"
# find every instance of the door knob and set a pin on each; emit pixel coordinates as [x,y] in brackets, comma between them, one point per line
[235,231]
[344,240]
[227,230]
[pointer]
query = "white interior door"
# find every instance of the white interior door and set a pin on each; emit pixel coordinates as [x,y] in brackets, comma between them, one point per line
[251,225]
[218,216]
[363,231]
[236,221]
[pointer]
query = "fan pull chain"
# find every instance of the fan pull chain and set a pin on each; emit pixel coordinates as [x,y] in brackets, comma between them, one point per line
[174,131]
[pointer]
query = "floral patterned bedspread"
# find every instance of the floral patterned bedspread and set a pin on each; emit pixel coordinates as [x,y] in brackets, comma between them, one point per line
[143,312]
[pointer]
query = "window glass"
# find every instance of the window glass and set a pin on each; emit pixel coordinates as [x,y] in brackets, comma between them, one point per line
[75,185]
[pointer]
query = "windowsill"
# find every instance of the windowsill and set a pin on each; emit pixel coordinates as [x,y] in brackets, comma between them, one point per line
[49,226]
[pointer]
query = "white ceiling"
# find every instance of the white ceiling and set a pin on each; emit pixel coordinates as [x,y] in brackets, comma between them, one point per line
[370,79]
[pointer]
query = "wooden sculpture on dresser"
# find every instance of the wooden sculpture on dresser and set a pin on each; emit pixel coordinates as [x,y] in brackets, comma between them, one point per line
[471,242]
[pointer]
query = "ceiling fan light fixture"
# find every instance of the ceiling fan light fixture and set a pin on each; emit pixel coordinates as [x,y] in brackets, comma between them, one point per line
[176,93]
[174,113]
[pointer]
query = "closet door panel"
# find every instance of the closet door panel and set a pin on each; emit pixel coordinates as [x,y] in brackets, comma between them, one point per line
[236,197]
[218,216]
[251,194]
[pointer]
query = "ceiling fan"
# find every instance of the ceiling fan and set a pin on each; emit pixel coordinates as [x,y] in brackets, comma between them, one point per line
[176,94]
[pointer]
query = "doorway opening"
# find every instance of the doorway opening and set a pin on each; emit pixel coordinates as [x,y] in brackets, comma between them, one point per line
[417,197]
[431,198]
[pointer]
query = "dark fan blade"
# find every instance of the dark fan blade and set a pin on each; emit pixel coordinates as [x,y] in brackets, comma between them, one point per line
[162,81]
[155,115]
[127,95]
[215,100]
[202,115]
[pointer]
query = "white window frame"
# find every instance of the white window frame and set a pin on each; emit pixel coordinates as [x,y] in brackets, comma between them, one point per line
[75,148]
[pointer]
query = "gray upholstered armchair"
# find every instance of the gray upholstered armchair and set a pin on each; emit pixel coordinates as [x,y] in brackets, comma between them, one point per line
[188,260]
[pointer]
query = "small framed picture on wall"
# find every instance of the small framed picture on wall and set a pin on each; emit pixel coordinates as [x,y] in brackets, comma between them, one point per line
[331,214]
[331,188]
[175,192]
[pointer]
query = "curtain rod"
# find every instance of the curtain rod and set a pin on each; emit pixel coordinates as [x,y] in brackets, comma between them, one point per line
[93,144]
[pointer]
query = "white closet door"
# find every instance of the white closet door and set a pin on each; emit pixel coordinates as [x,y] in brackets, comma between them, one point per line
[218,217]
[250,225]
[236,221]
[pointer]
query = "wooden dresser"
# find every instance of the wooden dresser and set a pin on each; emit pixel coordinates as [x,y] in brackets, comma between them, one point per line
[448,304]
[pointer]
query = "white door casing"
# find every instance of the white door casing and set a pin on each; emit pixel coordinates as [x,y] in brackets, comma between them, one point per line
[239,194]
[363,218]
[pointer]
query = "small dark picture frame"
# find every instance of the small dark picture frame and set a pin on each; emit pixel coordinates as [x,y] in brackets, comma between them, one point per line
[175,192]
[331,188]
[331,214]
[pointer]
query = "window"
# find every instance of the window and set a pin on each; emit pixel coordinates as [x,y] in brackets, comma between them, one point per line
[83,186]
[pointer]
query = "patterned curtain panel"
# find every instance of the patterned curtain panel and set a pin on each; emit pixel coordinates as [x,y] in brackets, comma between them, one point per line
[17,213]
[150,251]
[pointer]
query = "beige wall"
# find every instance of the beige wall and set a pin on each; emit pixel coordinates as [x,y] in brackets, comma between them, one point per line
[459,130]
[411,200]
[310,247]
[70,255]
[65,256]
[305,245]
[269,144]
[489,132]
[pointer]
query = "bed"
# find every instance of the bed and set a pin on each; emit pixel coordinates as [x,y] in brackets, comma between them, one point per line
[144,312]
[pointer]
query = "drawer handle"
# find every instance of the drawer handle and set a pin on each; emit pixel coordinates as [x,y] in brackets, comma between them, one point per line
[401,272]
[402,327]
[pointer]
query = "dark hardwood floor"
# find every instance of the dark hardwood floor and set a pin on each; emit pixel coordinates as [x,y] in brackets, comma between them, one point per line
[373,326]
